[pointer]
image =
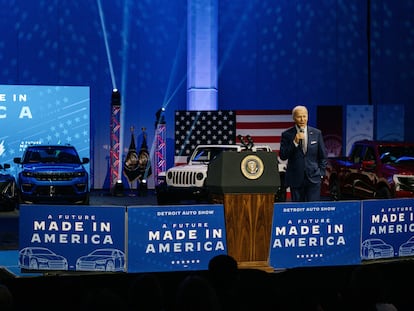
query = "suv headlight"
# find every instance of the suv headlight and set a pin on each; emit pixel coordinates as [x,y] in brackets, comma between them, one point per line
[404,182]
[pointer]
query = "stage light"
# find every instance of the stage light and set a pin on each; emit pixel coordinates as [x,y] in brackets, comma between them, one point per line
[118,189]
[159,117]
[116,97]
[143,188]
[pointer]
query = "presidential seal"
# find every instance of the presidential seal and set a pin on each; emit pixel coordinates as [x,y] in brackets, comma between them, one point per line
[252,167]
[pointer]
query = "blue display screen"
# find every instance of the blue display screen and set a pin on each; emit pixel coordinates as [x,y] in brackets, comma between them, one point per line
[37,114]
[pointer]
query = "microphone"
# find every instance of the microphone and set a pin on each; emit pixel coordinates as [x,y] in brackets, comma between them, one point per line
[251,143]
[242,141]
[301,140]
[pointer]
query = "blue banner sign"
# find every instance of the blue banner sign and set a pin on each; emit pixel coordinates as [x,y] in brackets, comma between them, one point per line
[315,234]
[174,238]
[63,237]
[387,229]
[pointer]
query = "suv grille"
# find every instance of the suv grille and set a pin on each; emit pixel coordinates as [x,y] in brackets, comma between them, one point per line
[64,176]
[53,190]
[184,178]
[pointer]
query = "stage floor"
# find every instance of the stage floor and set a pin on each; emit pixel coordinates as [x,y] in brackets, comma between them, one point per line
[129,197]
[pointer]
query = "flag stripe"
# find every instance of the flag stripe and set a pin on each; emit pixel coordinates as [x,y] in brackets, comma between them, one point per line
[264,139]
[264,118]
[264,112]
[275,146]
[260,125]
[180,160]
[260,132]
[264,126]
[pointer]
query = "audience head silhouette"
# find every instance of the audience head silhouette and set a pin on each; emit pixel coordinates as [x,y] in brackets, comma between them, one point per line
[146,293]
[195,293]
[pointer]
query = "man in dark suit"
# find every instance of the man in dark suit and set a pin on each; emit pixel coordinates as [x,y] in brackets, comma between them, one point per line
[303,148]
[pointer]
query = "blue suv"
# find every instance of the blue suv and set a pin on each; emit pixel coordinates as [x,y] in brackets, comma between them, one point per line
[52,174]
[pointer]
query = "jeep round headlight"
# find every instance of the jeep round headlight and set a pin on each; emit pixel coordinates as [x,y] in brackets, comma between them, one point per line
[200,176]
[169,175]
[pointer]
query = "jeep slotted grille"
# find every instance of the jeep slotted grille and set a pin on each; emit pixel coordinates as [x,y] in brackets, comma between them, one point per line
[184,178]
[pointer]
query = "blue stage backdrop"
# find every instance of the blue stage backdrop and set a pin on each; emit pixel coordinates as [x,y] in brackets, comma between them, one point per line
[271,54]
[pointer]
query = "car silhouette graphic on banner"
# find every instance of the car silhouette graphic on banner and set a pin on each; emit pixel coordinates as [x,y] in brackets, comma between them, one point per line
[104,259]
[41,258]
[376,248]
[407,248]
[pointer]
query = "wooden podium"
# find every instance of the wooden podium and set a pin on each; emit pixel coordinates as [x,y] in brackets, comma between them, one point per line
[247,191]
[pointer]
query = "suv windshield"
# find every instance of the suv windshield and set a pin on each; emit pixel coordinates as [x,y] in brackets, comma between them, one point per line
[45,154]
[396,154]
[208,154]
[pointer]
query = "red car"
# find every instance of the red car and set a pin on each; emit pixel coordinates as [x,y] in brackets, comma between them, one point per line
[373,170]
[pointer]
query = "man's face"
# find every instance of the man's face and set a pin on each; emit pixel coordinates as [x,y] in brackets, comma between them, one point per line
[301,117]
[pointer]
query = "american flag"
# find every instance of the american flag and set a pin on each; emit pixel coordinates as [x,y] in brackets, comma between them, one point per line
[194,128]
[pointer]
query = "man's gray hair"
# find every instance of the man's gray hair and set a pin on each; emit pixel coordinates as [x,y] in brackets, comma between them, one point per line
[297,108]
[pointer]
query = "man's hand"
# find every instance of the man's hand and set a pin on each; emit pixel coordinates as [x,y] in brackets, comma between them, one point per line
[299,136]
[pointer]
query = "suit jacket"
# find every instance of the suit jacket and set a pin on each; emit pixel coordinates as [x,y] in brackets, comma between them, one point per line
[311,164]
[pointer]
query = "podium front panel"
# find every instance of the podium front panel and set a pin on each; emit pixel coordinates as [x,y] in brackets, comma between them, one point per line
[244,172]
